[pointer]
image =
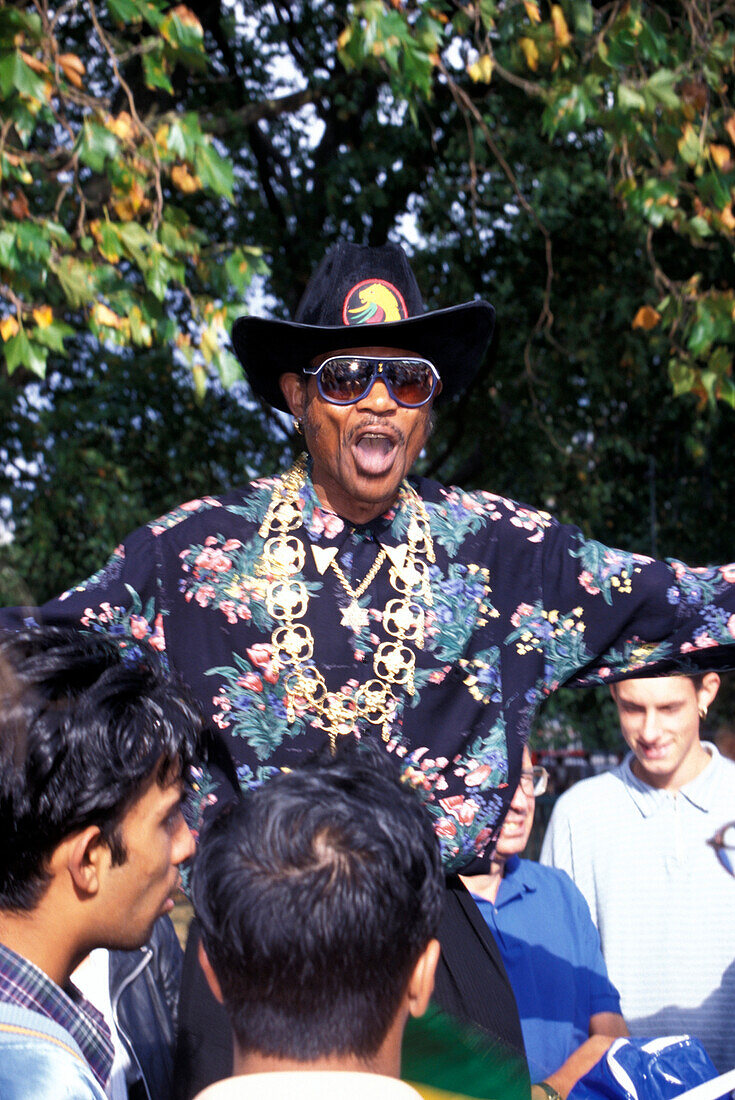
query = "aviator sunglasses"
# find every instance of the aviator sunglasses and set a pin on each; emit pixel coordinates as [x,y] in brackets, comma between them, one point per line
[345,379]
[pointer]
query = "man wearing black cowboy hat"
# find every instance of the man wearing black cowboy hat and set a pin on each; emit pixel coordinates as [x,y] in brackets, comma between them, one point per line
[346,598]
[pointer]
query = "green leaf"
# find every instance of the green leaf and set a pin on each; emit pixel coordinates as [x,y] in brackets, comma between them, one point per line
[8,251]
[16,75]
[33,241]
[683,377]
[661,84]
[125,11]
[155,70]
[17,351]
[708,379]
[59,234]
[229,368]
[136,240]
[177,140]
[96,145]
[24,120]
[52,336]
[214,171]
[727,391]
[700,226]
[688,145]
[630,99]
[583,16]
[79,280]
[703,332]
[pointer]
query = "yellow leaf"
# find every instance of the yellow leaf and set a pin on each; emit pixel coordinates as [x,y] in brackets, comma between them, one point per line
[184,180]
[8,328]
[43,316]
[530,52]
[128,203]
[34,63]
[186,16]
[344,38]
[532,11]
[721,156]
[730,127]
[726,217]
[208,344]
[200,380]
[121,126]
[646,318]
[73,68]
[103,315]
[561,30]
[481,70]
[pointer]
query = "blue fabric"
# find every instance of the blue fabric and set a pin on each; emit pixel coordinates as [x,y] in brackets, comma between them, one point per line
[23,984]
[39,1060]
[551,951]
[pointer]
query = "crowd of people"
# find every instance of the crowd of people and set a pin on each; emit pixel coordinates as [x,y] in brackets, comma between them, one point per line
[335,672]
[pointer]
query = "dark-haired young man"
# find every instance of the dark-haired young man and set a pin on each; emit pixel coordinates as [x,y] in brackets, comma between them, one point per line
[319,898]
[95,752]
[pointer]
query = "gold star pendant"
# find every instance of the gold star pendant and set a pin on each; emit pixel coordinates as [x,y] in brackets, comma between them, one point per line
[354,616]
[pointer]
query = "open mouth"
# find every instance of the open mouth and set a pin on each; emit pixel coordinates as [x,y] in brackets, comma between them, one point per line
[374,453]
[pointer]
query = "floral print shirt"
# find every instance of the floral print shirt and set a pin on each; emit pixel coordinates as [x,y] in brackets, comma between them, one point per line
[520,604]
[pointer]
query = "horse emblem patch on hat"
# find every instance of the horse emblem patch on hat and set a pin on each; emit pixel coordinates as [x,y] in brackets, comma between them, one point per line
[373,302]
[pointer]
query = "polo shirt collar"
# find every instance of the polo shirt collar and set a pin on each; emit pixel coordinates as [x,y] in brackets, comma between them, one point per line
[700,792]
[513,883]
[23,983]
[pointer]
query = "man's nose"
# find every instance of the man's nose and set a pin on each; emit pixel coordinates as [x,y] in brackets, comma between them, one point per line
[650,730]
[184,845]
[378,398]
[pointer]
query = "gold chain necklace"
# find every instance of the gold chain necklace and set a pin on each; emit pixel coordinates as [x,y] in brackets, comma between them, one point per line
[287,602]
[353,615]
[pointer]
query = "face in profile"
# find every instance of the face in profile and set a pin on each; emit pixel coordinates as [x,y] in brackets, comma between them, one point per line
[659,720]
[156,840]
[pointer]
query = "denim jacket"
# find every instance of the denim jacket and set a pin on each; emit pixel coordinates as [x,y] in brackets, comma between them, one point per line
[40,1060]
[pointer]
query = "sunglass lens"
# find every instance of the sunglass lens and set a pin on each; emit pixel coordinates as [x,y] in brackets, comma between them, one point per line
[412,382]
[344,380]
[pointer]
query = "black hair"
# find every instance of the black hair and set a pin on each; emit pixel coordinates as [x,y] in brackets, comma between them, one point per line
[83,724]
[317,894]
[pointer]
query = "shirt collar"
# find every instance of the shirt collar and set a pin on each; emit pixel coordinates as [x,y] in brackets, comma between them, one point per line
[325,526]
[24,984]
[700,791]
[513,883]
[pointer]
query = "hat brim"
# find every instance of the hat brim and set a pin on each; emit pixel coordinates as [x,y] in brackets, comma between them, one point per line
[454,340]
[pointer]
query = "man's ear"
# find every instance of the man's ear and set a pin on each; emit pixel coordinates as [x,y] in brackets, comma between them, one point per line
[708,689]
[209,974]
[421,982]
[293,388]
[84,856]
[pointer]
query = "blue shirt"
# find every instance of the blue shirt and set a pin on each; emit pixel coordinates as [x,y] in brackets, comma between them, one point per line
[551,951]
[24,985]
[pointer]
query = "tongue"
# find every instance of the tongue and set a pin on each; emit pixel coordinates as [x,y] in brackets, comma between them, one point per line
[374,453]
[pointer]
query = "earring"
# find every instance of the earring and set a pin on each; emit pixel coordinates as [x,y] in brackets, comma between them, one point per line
[703,711]
[297,425]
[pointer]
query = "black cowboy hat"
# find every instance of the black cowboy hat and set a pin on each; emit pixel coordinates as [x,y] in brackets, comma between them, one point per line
[361,296]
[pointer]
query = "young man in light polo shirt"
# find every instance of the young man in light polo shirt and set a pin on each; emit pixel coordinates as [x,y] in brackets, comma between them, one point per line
[635,842]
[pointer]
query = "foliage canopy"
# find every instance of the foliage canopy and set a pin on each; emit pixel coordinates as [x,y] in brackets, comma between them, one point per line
[161,165]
